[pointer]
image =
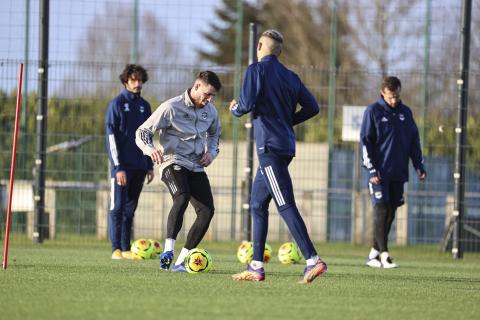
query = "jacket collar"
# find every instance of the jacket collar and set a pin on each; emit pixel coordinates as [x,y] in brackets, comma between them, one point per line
[187,100]
[387,108]
[130,96]
[270,57]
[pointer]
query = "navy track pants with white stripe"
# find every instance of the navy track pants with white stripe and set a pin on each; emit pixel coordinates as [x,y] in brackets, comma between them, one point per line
[273,181]
[123,203]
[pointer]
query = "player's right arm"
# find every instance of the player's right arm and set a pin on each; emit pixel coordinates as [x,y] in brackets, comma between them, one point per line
[159,120]
[250,91]
[368,137]
[112,126]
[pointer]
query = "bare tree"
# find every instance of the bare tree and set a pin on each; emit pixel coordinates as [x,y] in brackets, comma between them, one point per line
[385,33]
[107,47]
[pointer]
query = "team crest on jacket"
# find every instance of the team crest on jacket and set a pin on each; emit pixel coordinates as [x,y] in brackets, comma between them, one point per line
[142,109]
[401,116]
[378,195]
[125,107]
[204,115]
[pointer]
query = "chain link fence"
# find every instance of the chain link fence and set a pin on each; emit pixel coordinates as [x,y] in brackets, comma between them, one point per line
[92,40]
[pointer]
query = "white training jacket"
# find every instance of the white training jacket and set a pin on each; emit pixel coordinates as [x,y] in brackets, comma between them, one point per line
[186,132]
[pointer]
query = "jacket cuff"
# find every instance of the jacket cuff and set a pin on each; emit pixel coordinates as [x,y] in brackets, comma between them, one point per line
[372,172]
[421,168]
[118,168]
[214,153]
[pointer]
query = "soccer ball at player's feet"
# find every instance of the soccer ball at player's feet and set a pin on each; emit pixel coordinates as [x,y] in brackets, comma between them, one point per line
[198,260]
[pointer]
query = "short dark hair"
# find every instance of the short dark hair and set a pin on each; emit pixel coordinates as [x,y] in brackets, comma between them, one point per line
[133,70]
[210,77]
[391,83]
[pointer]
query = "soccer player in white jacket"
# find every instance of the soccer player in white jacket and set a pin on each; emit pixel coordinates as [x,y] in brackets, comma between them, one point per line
[189,130]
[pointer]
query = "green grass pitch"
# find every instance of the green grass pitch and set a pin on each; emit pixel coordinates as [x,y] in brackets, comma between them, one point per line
[65,281]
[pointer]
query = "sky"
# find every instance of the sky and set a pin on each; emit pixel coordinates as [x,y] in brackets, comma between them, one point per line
[69,19]
[183,20]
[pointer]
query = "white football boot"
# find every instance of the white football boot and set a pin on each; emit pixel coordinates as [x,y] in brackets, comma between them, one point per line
[374,262]
[373,259]
[386,261]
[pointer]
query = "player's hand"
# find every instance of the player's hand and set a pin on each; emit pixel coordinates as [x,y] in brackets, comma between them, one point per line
[150,176]
[233,103]
[157,156]
[375,180]
[121,177]
[206,159]
[421,176]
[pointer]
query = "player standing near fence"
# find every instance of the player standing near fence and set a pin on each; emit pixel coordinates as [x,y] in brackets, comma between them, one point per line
[271,92]
[389,137]
[129,166]
[189,130]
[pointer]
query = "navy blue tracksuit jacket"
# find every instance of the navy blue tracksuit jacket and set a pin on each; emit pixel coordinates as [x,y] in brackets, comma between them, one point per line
[389,137]
[273,105]
[271,92]
[124,115]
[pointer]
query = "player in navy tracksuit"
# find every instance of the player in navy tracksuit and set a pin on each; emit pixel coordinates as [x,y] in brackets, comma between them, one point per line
[271,92]
[389,138]
[129,166]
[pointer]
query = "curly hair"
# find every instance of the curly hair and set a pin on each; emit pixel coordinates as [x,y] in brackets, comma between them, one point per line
[135,70]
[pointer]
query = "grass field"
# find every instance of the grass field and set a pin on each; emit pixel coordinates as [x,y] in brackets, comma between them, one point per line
[64,281]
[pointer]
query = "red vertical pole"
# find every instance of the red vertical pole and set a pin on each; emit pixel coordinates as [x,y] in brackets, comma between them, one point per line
[12,167]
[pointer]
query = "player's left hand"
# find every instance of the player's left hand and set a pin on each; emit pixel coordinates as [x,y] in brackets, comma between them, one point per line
[232,104]
[150,176]
[206,159]
[421,176]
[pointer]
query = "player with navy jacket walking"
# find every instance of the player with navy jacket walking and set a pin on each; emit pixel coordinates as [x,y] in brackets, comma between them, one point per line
[389,138]
[271,92]
[129,166]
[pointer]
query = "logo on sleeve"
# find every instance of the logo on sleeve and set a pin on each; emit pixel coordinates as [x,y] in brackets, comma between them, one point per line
[126,108]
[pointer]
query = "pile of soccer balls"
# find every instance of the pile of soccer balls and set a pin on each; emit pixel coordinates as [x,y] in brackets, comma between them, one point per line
[287,253]
[197,260]
[145,249]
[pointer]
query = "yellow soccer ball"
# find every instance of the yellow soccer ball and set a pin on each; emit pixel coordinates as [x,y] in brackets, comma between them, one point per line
[141,249]
[198,260]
